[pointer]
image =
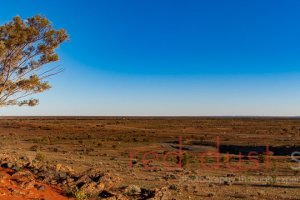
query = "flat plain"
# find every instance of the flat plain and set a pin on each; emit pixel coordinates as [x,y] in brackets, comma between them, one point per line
[222,157]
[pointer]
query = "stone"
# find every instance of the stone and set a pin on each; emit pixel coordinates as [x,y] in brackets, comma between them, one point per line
[41,187]
[211,194]
[162,194]
[173,187]
[132,190]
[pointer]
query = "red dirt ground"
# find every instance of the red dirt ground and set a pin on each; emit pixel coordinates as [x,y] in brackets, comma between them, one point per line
[19,187]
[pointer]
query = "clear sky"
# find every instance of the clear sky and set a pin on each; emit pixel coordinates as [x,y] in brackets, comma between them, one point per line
[170,57]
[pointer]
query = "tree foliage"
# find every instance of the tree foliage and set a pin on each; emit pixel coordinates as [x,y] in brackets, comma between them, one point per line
[25,47]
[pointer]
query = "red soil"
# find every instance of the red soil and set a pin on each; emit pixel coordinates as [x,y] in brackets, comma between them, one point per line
[21,185]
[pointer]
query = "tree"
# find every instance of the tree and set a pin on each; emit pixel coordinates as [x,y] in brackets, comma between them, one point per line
[25,47]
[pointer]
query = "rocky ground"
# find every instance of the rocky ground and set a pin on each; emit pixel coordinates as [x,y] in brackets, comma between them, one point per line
[124,158]
[22,178]
[22,185]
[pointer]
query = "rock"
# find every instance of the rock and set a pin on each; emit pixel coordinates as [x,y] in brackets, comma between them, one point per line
[24,179]
[63,175]
[28,185]
[94,174]
[132,190]
[7,165]
[23,176]
[17,192]
[211,194]
[63,168]
[110,181]
[260,193]
[83,180]
[58,167]
[105,194]
[92,189]
[211,185]
[162,194]
[241,196]
[173,187]
[53,182]
[41,187]
[70,180]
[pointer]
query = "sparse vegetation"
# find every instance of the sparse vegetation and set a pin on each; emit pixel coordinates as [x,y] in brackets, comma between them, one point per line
[35,148]
[110,150]
[40,157]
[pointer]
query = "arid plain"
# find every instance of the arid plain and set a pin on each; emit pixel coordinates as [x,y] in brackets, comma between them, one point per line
[155,157]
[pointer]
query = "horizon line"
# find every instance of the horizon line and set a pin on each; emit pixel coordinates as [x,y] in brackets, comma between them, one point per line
[153,116]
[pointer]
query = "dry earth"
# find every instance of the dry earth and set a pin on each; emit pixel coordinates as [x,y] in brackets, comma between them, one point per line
[134,158]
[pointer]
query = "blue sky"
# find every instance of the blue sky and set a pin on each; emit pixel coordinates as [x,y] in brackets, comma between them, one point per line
[170,57]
